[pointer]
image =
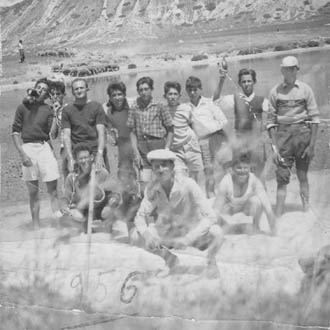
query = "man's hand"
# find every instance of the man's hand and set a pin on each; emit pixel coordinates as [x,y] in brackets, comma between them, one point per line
[26,161]
[76,215]
[308,153]
[138,160]
[99,161]
[114,136]
[277,158]
[152,242]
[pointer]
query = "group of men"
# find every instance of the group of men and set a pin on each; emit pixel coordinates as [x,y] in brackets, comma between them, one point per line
[163,147]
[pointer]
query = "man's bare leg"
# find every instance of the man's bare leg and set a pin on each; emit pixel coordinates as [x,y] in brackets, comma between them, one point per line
[304,188]
[52,191]
[33,189]
[280,199]
[255,211]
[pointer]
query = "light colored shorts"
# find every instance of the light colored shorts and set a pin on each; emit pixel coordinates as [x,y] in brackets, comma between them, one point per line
[44,163]
[189,157]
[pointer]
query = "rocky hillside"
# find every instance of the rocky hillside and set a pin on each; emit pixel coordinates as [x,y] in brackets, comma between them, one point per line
[67,23]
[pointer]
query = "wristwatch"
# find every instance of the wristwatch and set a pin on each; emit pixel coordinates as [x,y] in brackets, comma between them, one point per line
[100,151]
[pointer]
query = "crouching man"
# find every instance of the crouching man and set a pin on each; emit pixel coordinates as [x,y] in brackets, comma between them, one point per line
[175,213]
[241,191]
[76,193]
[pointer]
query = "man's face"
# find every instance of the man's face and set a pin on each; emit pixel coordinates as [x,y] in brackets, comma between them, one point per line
[57,96]
[145,92]
[117,98]
[247,84]
[79,89]
[289,73]
[172,97]
[194,93]
[84,161]
[42,89]
[163,169]
[241,172]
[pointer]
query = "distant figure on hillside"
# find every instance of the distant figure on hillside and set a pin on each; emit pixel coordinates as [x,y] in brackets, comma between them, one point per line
[292,124]
[21,51]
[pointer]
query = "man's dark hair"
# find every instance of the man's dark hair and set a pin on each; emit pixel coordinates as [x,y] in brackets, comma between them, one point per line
[241,157]
[172,84]
[58,85]
[43,81]
[145,80]
[244,72]
[116,86]
[79,79]
[193,82]
[20,41]
[81,147]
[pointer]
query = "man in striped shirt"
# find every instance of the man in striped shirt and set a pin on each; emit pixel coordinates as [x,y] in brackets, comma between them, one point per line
[292,124]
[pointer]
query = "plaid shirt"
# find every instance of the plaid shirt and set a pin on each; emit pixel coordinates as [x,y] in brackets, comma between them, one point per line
[152,121]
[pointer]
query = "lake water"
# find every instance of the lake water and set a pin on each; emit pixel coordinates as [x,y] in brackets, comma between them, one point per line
[314,70]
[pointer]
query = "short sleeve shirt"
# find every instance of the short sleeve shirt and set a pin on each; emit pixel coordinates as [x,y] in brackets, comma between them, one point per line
[82,120]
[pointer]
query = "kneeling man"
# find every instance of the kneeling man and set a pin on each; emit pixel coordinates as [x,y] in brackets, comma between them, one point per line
[174,212]
[76,193]
[242,191]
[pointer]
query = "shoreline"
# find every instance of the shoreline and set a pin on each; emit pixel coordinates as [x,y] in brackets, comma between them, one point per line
[184,61]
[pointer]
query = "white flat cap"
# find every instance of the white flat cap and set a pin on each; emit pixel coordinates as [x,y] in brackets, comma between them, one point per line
[161,154]
[289,61]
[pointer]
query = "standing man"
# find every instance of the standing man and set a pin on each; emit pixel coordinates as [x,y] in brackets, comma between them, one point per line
[57,94]
[208,124]
[292,124]
[21,51]
[185,143]
[83,121]
[117,109]
[182,215]
[150,124]
[248,109]
[32,123]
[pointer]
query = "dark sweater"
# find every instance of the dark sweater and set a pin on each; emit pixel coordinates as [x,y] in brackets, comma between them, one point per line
[33,122]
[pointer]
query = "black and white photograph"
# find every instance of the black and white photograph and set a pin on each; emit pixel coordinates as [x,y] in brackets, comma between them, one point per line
[164,164]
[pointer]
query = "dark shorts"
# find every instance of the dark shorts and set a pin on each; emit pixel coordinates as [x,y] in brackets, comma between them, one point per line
[292,141]
[147,145]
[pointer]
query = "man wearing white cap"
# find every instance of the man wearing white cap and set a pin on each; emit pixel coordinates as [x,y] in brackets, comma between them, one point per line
[182,214]
[292,124]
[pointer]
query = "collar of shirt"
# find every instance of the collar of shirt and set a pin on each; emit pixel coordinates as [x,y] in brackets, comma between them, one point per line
[247,98]
[174,191]
[296,84]
[202,101]
[141,105]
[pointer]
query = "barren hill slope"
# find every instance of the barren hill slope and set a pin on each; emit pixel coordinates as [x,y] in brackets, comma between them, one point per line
[62,22]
